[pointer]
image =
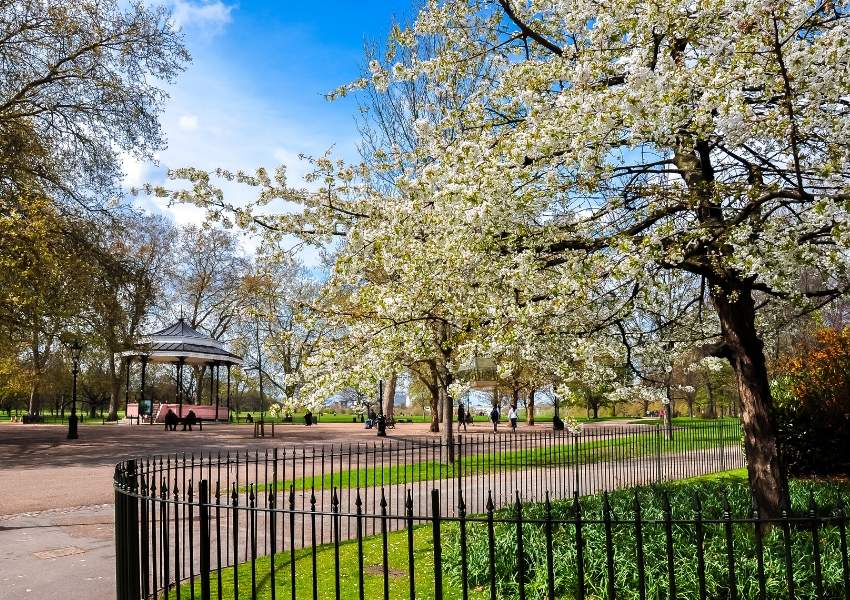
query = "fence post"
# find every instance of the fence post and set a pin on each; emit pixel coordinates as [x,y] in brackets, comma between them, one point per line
[658,453]
[491,545]
[204,512]
[609,546]
[550,566]
[438,547]
[120,535]
[579,547]
[520,549]
[128,574]
[641,565]
[408,509]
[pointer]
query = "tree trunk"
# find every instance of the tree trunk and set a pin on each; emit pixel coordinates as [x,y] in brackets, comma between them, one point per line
[595,407]
[711,411]
[668,412]
[529,408]
[448,429]
[435,411]
[35,392]
[745,351]
[35,397]
[389,397]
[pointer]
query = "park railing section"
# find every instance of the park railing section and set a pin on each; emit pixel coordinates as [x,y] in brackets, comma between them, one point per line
[491,516]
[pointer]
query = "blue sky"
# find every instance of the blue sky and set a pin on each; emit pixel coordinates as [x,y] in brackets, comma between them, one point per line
[253,94]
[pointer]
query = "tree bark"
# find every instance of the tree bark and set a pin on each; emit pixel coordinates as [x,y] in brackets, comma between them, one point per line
[35,392]
[389,397]
[529,408]
[433,387]
[745,351]
[711,411]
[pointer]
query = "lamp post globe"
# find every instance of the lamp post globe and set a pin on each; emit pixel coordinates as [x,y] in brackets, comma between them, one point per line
[76,351]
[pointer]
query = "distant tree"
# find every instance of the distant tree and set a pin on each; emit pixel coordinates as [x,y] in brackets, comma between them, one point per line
[79,88]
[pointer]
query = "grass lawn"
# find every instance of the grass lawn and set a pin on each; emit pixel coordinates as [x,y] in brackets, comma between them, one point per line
[691,435]
[373,580]
[712,489]
[49,419]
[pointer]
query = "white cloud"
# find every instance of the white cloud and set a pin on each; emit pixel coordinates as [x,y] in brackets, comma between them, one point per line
[188,122]
[208,17]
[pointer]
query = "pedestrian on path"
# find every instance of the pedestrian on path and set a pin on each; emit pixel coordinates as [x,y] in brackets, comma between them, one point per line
[494,416]
[513,417]
[461,417]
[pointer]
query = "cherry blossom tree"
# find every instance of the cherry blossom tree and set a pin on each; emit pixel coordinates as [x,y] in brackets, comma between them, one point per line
[604,153]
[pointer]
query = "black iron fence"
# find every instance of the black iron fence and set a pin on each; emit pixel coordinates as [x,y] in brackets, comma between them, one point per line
[494,516]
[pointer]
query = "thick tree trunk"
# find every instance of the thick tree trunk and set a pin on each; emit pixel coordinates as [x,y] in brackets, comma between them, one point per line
[711,411]
[389,397]
[529,408]
[745,351]
[435,411]
[35,397]
[35,392]
[448,429]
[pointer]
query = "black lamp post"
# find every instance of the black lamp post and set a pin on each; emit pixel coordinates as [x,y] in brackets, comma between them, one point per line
[382,420]
[76,350]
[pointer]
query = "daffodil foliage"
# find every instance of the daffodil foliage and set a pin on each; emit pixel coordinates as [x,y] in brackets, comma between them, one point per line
[623,181]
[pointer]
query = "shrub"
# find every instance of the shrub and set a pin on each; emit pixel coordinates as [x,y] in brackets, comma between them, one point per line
[813,405]
[654,546]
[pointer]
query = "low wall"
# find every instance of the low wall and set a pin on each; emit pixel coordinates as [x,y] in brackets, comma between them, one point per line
[207,413]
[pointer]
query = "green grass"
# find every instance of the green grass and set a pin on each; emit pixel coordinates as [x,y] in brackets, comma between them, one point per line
[373,581]
[298,418]
[49,419]
[692,435]
[733,476]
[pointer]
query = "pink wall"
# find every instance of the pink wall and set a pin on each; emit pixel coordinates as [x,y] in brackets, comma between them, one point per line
[207,413]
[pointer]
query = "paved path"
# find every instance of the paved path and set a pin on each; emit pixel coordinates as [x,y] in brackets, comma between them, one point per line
[56,496]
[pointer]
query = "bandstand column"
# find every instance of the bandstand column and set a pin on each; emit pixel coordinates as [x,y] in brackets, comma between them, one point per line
[127,361]
[180,387]
[228,393]
[144,374]
[217,394]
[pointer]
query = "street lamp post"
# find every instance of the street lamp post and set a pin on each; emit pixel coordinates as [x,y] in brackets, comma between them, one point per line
[382,420]
[76,350]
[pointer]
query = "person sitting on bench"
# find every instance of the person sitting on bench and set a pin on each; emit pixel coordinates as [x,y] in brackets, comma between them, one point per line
[189,420]
[171,420]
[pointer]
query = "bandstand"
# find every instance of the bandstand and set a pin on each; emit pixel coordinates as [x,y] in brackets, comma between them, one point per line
[180,345]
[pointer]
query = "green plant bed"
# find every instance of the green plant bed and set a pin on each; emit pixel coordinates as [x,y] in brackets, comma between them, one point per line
[654,545]
[373,580]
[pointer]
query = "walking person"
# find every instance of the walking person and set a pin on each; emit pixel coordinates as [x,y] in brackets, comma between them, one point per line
[513,417]
[494,416]
[461,417]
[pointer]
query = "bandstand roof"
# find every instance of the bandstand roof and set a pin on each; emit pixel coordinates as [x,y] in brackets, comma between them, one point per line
[179,341]
[481,372]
